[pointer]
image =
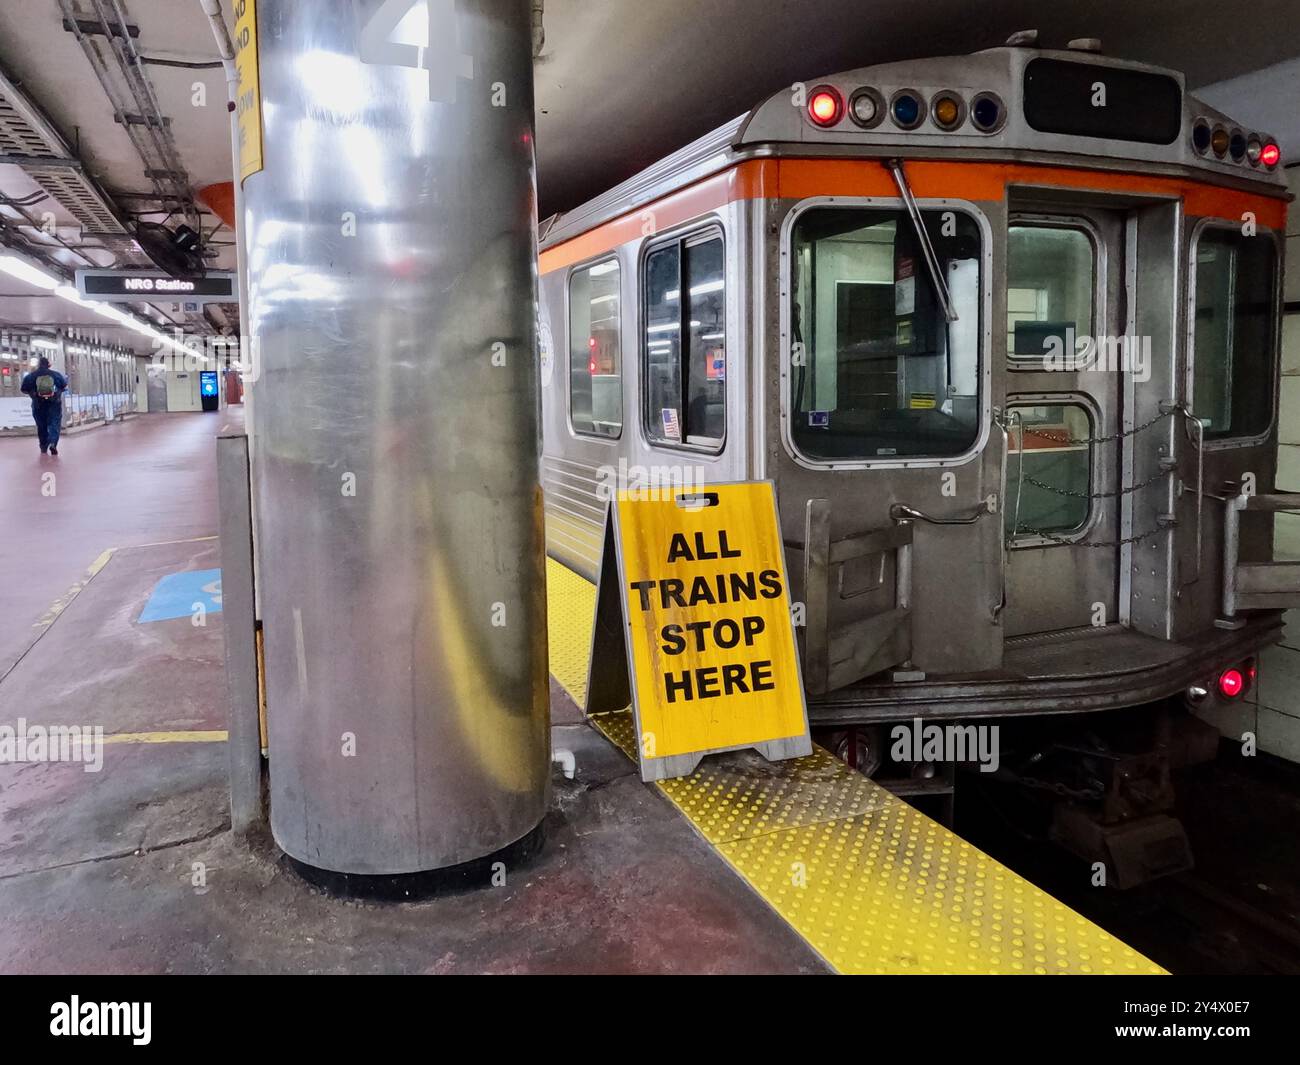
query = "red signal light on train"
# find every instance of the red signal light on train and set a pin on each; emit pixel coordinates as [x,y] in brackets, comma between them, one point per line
[1270,155]
[825,106]
[1231,683]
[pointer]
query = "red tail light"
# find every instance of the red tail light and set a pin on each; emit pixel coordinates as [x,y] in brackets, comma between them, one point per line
[1232,682]
[825,106]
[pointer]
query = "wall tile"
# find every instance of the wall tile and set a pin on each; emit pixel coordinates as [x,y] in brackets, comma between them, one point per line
[1278,684]
[1279,734]
[1286,537]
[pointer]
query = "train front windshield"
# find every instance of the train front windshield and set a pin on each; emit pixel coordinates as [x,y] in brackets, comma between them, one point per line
[876,369]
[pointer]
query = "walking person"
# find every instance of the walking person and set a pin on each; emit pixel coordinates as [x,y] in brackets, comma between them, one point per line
[46,387]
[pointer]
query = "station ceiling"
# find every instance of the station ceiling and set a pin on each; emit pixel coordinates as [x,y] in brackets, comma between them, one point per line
[619,83]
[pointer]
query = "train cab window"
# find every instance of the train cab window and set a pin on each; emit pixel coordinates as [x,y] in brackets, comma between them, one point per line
[1051,279]
[877,372]
[685,382]
[595,352]
[1049,470]
[1233,339]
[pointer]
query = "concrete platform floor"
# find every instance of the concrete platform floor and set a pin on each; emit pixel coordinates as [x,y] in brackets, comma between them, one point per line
[134,482]
[133,868]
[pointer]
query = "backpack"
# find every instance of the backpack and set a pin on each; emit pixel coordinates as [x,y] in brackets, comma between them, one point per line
[45,386]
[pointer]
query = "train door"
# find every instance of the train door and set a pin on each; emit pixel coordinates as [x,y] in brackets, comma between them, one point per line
[889,493]
[1067,354]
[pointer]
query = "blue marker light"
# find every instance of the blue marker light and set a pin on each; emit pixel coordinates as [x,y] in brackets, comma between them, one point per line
[907,110]
[986,113]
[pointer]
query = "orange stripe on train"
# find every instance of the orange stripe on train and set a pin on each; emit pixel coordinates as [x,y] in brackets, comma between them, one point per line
[799,179]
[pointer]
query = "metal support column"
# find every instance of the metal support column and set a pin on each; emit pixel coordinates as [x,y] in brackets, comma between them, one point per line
[391,257]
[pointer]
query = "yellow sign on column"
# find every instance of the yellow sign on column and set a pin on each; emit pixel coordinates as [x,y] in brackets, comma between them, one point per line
[249,104]
[711,648]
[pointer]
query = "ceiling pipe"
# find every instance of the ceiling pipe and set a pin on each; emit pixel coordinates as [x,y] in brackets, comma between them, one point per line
[215,197]
[100,68]
[181,64]
[129,58]
[29,221]
[152,123]
[225,46]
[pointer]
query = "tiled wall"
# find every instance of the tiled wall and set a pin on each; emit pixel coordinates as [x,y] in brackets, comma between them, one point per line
[1272,710]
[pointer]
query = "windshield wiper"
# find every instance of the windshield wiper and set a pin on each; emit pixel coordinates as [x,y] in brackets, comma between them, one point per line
[895,167]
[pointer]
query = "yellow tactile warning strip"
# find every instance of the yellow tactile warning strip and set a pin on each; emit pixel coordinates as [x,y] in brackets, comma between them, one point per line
[212,736]
[873,885]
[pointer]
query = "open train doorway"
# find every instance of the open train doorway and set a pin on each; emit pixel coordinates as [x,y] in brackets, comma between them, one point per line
[1068,357]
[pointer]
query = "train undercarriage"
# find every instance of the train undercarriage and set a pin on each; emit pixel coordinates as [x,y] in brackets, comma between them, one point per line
[1100,784]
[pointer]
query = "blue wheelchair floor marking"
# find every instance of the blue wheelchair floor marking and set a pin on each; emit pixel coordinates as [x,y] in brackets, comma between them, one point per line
[178,594]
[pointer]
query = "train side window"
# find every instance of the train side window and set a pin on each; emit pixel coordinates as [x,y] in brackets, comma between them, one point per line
[1049,470]
[876,369]
[595,351]
[1233,332]
[1051,282]
[685,383]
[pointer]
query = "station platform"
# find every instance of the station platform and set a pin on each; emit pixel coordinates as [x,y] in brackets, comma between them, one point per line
[133,868]
[870,883]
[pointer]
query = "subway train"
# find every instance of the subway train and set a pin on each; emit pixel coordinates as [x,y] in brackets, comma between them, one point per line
[1003,330]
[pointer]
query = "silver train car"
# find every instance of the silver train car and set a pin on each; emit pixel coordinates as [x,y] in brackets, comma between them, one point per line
[1004,331]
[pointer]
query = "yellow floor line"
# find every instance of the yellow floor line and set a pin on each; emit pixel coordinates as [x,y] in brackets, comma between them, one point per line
[218,736]
[869,882]
[169,543]
[64,601]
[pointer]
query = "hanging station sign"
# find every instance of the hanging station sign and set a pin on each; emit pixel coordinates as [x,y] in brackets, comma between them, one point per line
[130,286]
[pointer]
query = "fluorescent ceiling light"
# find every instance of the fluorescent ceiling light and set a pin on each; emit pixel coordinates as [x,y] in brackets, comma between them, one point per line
[696,290]
[25,271]
[67,292]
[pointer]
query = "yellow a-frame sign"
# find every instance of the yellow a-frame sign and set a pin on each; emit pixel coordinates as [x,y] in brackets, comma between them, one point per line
[693,622]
